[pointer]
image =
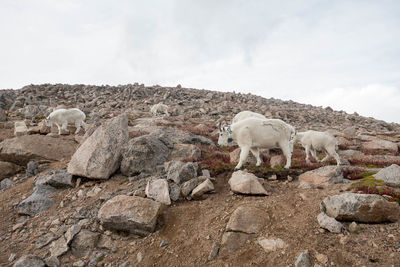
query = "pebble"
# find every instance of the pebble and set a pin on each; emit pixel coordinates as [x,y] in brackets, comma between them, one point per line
[164,243]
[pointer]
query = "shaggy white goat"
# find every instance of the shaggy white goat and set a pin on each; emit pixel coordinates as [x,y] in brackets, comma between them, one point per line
[251,134]
[61,118]
[159,108]
[313,141]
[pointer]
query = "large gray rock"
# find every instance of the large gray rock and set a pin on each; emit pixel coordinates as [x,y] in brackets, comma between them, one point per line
[8,169]
[329,223]
[29,261]
[361,208]
[247,219]
[159,191]
[179,171]
[379,144]
[143,154]
[322,176]
[246,183]
[390,175]
[130,213]
[57,179]
[99,156]
[37,202]
[21,150]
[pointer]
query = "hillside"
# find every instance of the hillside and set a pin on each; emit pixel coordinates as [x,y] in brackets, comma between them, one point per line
[137,190]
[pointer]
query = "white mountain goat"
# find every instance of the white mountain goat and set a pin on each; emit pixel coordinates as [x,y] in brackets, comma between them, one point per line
[313,141]
[159,108]
[252,134]
[61,118]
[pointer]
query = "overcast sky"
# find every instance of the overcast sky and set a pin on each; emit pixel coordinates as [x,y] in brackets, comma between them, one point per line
[342,54]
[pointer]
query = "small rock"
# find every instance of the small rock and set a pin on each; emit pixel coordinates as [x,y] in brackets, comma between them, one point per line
[321,258]
[246,183]
[79,263]
[159,191]
[353,227]
[247,219]
[303,260]
[214,251]
[174,192]
[139,257]
[202,188]
[164,243]
[59,247]
[52,261]
[187,187]
[32,168]
[276,161]
[329,223]
[5,183]
[271,244]
[12,257]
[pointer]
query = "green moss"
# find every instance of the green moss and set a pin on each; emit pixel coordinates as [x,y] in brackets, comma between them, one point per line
[368,181]
[100,259]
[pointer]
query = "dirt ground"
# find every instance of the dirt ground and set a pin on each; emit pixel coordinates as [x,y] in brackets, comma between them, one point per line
[192,227]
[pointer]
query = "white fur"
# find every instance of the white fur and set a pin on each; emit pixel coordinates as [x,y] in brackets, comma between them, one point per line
[252,134]
[247,114]
[61,118]
[313,141]
[159,108]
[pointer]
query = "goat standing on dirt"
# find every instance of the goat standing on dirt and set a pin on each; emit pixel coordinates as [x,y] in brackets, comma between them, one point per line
[61,118]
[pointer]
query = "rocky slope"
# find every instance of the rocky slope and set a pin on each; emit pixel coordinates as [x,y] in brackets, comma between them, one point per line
[140,191]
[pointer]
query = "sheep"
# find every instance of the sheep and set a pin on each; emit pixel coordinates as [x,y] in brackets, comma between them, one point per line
[61,118]
[313,141]
[252,134]
[159,108]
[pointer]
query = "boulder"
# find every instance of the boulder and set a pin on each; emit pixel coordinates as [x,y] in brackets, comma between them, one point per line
[29,261]
[143,154]
[329,223]
[177,136]
[379,144]
[57,179]
[99,156]
[21,150]
[361,208]
[179,171]
[130,213]
[276,161]
[20,128]
[159,191]
[247,219]
[185,151]
[5,183]
[246,183]
[37,202]
[201,189]
[8,169]
[174,192]
[390,175]
[322,176]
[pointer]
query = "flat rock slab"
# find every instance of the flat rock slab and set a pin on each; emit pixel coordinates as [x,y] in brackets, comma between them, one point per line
[271,244]
[322,176]
[21,150]
[246,183]
[37,202]
[390,175]
[247,219]
[99,155]
[361,208]
[130,213]
[57,179]
[201,189]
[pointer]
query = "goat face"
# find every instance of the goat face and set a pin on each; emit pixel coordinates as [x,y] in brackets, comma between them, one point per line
[225,136]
